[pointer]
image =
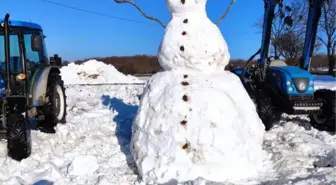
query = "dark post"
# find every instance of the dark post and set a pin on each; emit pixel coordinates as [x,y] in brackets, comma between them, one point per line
[315,7]
[266,35]
[7,54]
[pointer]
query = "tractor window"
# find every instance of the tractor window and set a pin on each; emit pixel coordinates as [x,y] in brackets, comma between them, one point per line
[32,56]
[14,52]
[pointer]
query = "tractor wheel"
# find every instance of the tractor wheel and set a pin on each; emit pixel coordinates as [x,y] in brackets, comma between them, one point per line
[325,121]
[266,111]
[18,137]
[54,111]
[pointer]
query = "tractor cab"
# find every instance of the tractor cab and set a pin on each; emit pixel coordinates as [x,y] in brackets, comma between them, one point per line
[26,45]
[26,52]
[30,86]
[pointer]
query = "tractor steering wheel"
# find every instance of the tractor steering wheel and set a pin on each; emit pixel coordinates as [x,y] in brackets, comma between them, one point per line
[250,68]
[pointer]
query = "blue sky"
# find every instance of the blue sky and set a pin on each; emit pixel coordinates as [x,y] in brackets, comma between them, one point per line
[76,35]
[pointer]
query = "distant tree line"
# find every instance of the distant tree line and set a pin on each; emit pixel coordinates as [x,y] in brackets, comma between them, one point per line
[144,64]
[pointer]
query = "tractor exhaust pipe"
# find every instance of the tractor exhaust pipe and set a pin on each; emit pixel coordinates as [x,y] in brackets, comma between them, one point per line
[7,53]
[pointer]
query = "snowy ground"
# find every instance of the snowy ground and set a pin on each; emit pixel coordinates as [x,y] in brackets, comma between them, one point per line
[325,81]
[93,147]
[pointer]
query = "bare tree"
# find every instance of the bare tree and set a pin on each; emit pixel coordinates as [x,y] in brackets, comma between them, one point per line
[288,30]
[226,12]
[328,31]
[158,21]
[141,11]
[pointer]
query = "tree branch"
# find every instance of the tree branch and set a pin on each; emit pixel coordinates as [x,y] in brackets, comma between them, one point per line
[226,13]
[141,11]
[320,38]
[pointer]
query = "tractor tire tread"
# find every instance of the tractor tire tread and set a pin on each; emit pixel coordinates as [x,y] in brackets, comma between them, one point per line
[329,108]
[266,111]
[47,125]
[18,137]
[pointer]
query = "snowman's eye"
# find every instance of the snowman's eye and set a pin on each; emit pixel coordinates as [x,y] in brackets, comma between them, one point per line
[182,1]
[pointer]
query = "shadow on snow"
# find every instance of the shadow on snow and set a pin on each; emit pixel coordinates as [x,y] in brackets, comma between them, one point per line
[126,114]
[43,182]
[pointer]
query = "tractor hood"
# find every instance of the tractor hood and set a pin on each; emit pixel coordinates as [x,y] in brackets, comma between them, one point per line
[292,72]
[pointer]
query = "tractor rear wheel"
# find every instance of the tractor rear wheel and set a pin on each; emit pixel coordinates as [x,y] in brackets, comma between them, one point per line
[267,112]
[54,111]
[325,120]
[18,137]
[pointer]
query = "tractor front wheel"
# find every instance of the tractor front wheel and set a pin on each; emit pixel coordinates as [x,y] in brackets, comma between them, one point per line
[267,112]
[54,111]
[325,120]
[18,137]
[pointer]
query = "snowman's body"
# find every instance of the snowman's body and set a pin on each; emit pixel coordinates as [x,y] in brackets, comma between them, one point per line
[192,41]
[195,119]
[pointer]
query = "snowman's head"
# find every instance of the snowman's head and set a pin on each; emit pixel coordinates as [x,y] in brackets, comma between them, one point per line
[180,6]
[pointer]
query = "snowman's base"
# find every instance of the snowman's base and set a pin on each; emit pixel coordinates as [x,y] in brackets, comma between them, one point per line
[192,124]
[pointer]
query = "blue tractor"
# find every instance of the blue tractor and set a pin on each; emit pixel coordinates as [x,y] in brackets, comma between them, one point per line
[31,87]
[277,88]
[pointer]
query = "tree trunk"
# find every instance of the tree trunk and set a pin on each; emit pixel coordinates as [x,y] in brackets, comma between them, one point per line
[331,59]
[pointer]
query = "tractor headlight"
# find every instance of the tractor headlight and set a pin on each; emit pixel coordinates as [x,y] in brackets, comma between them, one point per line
[289,83]
[311,89]
[20,77]
[301,84]
[290,89]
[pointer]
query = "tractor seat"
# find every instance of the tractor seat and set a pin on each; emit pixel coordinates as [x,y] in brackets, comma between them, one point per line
[277,63]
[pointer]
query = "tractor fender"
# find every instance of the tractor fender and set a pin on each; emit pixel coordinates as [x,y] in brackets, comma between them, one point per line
[38,85]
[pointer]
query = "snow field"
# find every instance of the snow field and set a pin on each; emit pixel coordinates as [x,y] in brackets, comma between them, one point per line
[93,147]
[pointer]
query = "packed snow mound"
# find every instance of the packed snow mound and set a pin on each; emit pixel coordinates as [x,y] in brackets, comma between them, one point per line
[191,124]
[93,72]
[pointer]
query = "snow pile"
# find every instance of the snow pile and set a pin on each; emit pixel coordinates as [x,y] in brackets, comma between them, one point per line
[192,125]
[93,72]
[301,154]
[90,149]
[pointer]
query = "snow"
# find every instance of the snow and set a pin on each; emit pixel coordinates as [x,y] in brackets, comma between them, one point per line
[98,130]
[191,40]
[324,82]
[83,165]
[222,131]
[111,137]
[91,148]
[93,71]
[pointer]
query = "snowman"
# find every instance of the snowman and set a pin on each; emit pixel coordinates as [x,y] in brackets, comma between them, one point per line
[195,120]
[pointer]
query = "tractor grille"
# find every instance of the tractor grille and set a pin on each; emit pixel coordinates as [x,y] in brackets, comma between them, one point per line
[312,103]
[301,84]
[307,106]
[301,98]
